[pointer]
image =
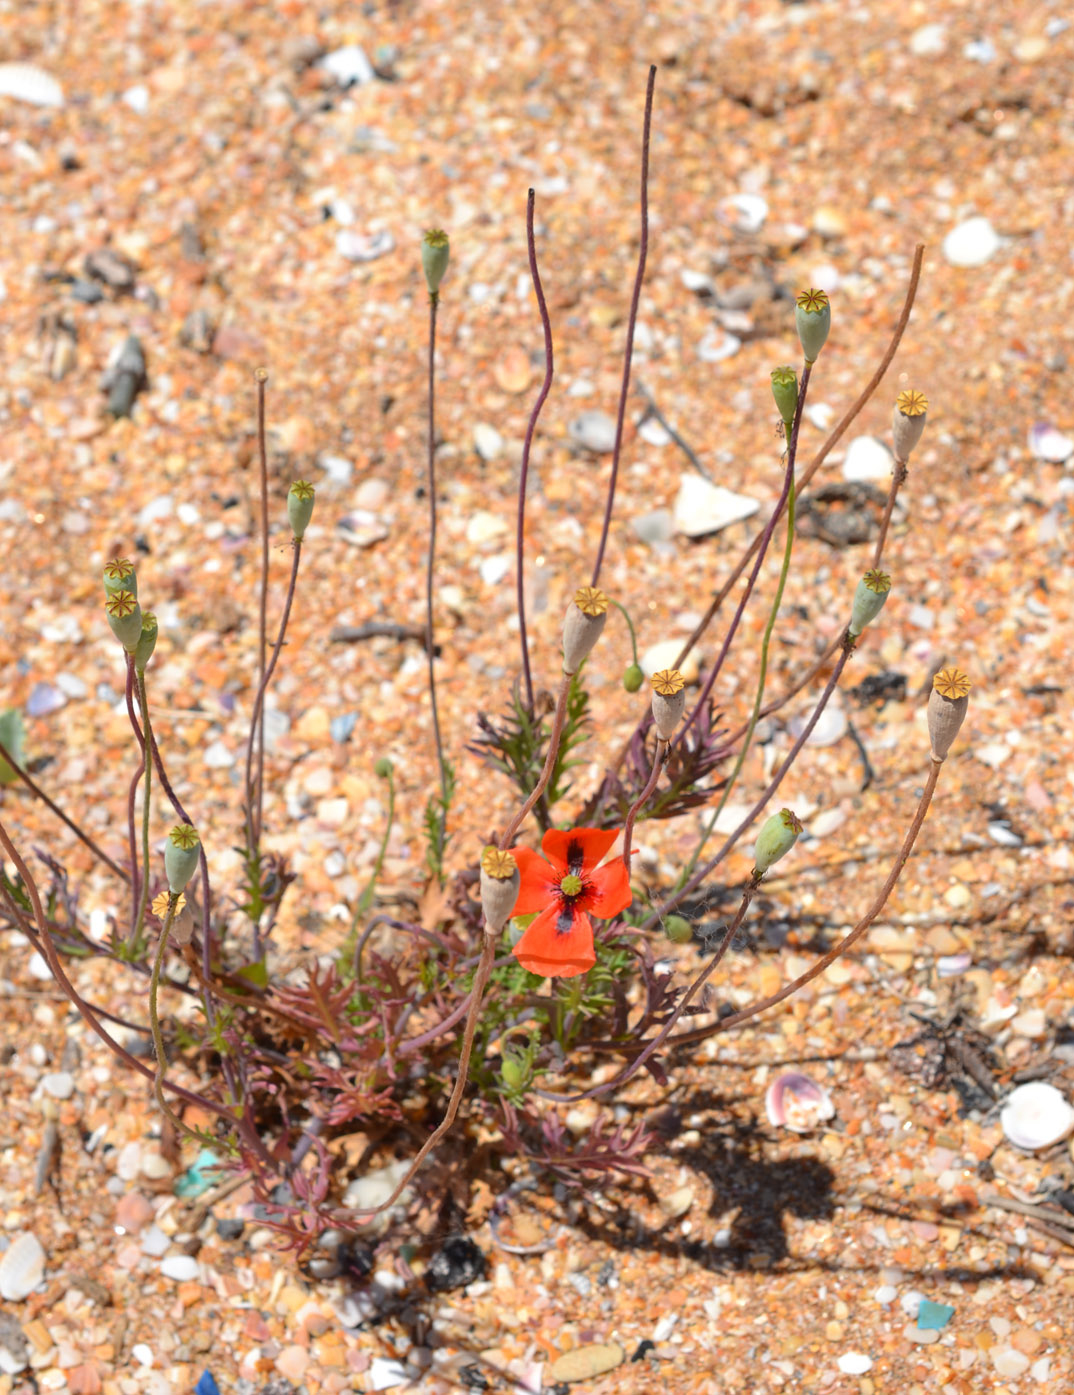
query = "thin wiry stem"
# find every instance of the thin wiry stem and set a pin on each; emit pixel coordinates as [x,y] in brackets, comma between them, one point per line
[138,875]
[898,479]
[640,802]
[549,763]
[632,320]
[82,837]
[523,474]
[147,764]
[430,564]
[254,794]
[154,1020]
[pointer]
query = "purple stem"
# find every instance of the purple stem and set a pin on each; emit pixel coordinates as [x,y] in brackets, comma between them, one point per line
[542,396]
[631,322]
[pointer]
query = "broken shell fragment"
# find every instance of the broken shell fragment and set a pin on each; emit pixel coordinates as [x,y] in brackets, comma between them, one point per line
[795,1102]
[1036,1116]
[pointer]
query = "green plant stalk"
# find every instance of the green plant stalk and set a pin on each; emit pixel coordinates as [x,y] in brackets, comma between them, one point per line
[143,899]
[630,627]
[445,797]
[365,901]
[154,1024]
[759,696]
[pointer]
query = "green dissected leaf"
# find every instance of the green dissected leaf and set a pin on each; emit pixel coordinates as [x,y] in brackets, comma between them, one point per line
[255,973]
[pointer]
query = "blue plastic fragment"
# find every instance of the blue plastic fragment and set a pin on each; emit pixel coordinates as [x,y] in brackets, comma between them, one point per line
[933,1317]
[206,1385]
[199,1178]
[342,726]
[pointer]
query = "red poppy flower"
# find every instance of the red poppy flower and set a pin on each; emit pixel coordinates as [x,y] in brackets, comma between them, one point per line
[565,891]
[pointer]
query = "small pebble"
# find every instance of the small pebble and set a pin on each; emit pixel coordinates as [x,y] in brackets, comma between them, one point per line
[348,66]
[929,41]
[586,1362]
[27,83]
[217,756]
[384,1374]
[702,508]
[142,1354]
[181,1268]
[487,441]
[1009,1362]
[886,1293]
[855,1363]
[59,1084]
[22,1267]
[922,1336]
[155,1243]
[971,243]
[867,459]
[593,431]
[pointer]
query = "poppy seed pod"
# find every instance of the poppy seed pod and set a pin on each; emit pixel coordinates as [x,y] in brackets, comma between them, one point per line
[147,641]
[125,617]
[785,391]
[435,250]
[300,499]
[948,702]
[119,575]
[908,422]
[669,700]
[583,624]
[869,597]
[181,855]
[813,320]
[776,838]
[500,881]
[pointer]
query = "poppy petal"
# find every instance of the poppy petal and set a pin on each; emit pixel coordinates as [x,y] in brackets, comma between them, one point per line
[555,953]
[565,847]
[538,882]
[608,890]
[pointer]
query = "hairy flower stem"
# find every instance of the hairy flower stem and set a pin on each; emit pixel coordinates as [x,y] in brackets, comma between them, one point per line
[257,724]
[898,479]
[138,874]
[759,696]
[83,1008]
[82,836]
[632,320]
[693,882]
[795,689]
[527,445]
[630,627]
[477,993]
[154,1019]
[430,564]
[826,960]
[254,785]
[642,799]
[554,739]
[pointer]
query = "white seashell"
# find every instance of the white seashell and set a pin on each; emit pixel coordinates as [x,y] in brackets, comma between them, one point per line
[27,83]
[867,459]
[702,508]
[972,243]
[1046,443]
[22,1268]
[831,727]
[953,965]
[1036,1116]
[795,1102]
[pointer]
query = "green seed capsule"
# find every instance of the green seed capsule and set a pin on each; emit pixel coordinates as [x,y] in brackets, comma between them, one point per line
[125,618]
[435,250]
[513,1071]
[776,838]
[869,597]
[300,499]
[119,575]
[181,855]
[813,320]
[785,391]
[147,641]
[633,678]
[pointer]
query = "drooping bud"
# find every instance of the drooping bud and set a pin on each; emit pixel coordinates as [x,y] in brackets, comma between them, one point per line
[776,838]
[300,499]
[514,1070]
[669,700]
[633,678]
[125,617]
[500,881]
[181,855]
[383,767]
[678,929]
[435,250]
[147,641]
[908,422]
[869,597]
[813,320]
[583,625]
[119,575]
[785,391]
[948,702]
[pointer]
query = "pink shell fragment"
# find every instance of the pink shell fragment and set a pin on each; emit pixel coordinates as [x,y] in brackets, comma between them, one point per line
[795,1102]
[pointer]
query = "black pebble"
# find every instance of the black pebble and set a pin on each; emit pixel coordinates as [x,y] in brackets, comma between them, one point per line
[457,1263]
[230,1227]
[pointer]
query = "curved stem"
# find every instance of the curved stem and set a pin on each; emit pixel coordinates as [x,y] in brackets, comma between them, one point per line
[630,627]
[642,799]
[138,875]
[549,763]
[632,321]
[430,564]
[147,764]
[523,475]
[257,727]
[898,479]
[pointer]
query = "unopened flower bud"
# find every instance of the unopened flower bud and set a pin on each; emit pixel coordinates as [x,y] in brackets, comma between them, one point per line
[147,641]
[300,507]
[583,624]
[869,597]
[435,249]
[669,700]
[383,767]
[125,618]
[181,855]
[119,575]
[948,702]
[776,838]
[500,881]
[633,678]
[813,320]
[513,1070]
[678,929]
[908,422]
[785,391]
